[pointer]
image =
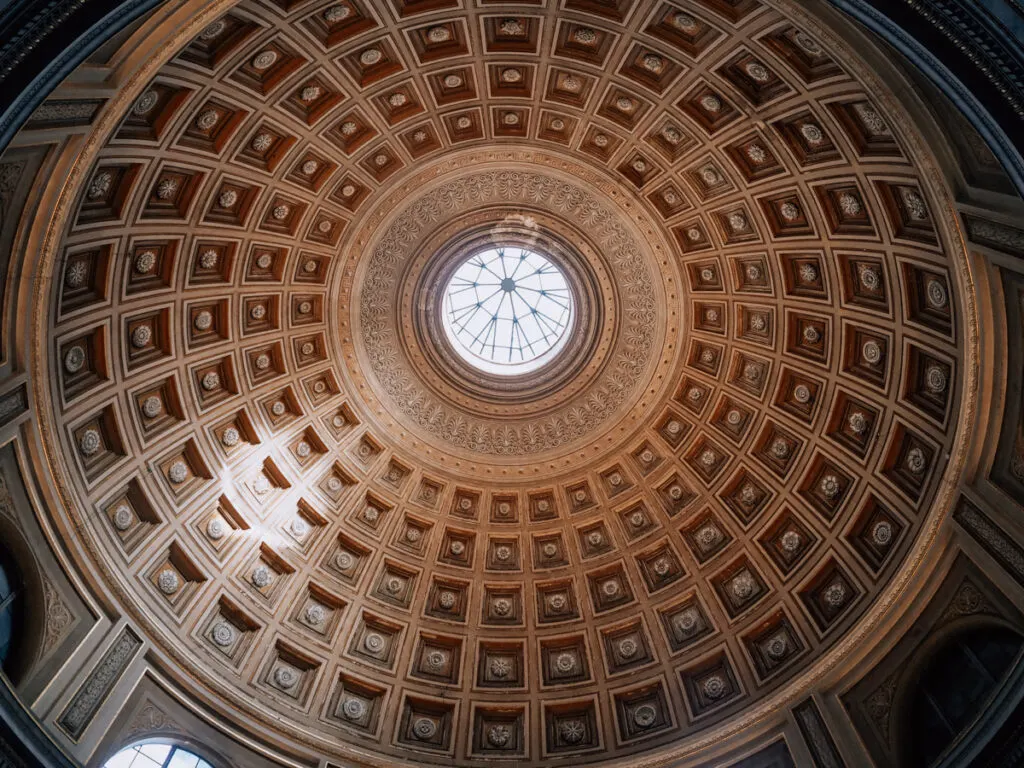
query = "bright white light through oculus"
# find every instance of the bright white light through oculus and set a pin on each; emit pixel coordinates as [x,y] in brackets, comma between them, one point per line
[507,310]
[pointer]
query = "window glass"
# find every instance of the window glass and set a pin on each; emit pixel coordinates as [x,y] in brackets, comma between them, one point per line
[155,756]
[953,689]
[183,760]
[7,600]
[507,310]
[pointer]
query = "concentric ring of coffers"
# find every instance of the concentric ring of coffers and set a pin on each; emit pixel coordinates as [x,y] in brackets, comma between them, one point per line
[286,539]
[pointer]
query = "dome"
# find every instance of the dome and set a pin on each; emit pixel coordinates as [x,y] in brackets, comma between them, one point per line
[427,382]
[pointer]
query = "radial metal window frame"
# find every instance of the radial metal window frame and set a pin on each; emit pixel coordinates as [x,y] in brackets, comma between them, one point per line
[507,310]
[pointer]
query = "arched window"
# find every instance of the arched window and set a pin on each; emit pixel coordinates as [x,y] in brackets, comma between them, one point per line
[156,756]
[953,688]
[10,593]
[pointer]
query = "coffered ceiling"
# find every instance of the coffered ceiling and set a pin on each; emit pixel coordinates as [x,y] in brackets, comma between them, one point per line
[338,537]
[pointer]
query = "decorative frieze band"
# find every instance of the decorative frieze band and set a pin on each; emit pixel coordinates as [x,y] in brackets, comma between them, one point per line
[815,732]
[992,538]
[997,236]
[94,691]
[12,405]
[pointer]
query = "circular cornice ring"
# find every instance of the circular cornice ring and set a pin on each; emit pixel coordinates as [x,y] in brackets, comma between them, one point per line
[624,246]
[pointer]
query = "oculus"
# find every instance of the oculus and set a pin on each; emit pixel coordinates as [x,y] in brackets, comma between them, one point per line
[507,310]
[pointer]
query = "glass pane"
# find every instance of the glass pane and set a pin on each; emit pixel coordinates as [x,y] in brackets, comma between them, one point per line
[6,630]
[122,759]
[140,756]
[507,310]
[155,752]
[183,759]
[5,584]
[995,650]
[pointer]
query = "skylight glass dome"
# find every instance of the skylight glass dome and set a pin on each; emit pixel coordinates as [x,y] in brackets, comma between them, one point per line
[507,310]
